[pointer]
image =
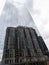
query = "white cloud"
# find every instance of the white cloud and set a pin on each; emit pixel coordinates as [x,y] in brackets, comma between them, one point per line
[20,1]
[2,3]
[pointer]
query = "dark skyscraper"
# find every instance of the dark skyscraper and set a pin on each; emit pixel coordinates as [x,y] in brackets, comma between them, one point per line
[24,47]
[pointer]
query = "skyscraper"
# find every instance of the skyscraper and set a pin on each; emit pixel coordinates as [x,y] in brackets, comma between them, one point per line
[23,47]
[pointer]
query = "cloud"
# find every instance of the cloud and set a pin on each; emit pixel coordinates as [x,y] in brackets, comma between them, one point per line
[2,3]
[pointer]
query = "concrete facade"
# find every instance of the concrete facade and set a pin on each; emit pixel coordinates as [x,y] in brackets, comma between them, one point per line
[23,46]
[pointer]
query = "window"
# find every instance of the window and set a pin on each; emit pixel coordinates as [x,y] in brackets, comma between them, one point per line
[11,55]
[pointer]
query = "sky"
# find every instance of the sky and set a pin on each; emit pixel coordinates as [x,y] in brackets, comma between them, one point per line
[38,9]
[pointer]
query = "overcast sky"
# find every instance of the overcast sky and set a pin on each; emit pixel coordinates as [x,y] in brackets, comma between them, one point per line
[39,10]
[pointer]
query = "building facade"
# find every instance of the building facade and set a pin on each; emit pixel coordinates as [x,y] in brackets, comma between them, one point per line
[23,46]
